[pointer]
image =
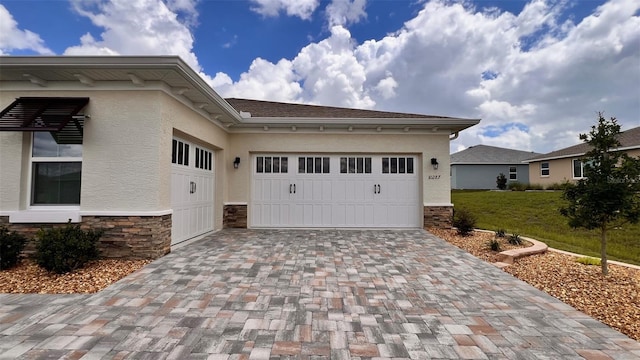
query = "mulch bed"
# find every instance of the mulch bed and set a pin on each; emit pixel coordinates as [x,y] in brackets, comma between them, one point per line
[613,299]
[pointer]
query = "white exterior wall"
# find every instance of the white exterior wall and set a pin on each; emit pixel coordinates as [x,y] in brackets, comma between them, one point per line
[435,191]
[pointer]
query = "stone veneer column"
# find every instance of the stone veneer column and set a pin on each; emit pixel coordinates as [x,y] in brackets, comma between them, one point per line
[126,237]
[438,216]
[235,216]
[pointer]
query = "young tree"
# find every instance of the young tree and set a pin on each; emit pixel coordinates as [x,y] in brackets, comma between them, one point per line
[501,181]
[609,194]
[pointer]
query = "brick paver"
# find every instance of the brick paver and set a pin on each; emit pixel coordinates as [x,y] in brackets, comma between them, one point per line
[303,294]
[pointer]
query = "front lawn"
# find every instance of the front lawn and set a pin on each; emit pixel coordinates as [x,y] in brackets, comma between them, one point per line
[536,214]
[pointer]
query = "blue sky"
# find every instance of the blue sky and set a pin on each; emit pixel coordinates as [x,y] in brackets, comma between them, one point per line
[536,72]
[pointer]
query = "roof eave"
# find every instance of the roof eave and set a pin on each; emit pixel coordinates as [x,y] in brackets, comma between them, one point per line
[435,124]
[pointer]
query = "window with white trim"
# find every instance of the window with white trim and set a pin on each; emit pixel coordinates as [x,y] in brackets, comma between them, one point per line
[578,168]
[180,153]
[397,165]
[513,173]
[355,165]
[313,165]
[203,159]
[544,168]
[56,171]
[272,164]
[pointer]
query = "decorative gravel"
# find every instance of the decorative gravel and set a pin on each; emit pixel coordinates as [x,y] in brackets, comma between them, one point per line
[613,299]
[28,277]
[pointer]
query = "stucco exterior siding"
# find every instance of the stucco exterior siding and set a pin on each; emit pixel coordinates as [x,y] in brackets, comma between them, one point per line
[435,191]
[484,176]
[11,165]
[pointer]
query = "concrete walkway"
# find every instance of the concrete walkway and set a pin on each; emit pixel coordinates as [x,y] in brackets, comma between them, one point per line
[243,294]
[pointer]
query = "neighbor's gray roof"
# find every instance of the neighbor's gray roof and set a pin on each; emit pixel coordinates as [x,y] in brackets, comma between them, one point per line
[628,139]
[259,108]
[484,154]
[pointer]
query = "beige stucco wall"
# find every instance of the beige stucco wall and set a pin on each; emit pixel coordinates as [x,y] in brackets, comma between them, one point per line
[434,190]
[184,123]
[560,170]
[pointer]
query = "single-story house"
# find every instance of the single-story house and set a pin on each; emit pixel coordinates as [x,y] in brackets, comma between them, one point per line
[144,148]
[477,167]
[566,165]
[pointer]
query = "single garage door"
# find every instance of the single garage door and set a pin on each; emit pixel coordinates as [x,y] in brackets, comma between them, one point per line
[192,189]
[335,191]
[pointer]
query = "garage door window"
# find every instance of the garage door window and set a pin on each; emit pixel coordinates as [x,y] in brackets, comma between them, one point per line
[180,153]
[397,165]
[203,158]
[313,165]
[355,165]
[272,164]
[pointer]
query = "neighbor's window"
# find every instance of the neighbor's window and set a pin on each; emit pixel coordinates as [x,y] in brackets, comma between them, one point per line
[56,170]
[513,173]
[544,169]
[578,168]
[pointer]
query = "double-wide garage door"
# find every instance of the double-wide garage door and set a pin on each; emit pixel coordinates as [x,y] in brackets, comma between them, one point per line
[335,191]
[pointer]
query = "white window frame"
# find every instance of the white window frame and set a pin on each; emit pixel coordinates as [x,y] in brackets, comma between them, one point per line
[542,169]
[514,173]
[31,182]
[573,174]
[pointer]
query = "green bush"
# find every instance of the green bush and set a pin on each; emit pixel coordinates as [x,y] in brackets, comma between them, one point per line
[586,260]
[11,245]
[535,187]
[558,186]
[464,221]
[517,186]
[501,181]
[62,250]
[501,233]
[494,245]
[514,239]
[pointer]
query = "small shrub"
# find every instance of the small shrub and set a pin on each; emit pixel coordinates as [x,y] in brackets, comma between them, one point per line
[62,250]
[558,186]
[494,245]
[586,260]
[514,239]
[501,233]
[11,245]
[501,181]
[517,186]
[464,221]
[535,187]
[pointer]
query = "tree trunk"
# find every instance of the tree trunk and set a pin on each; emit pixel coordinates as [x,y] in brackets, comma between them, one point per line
[603,251]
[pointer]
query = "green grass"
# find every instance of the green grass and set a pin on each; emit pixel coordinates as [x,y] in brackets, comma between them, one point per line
[535,214]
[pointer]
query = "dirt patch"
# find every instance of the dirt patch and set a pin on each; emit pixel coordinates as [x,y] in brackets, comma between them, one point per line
[613,299]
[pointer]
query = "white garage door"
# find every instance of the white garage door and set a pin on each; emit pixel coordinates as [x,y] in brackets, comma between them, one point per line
[335,191]
[191,190]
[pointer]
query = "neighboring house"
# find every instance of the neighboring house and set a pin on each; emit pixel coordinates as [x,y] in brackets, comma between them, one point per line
[477,167]
[144,148]
[565,164]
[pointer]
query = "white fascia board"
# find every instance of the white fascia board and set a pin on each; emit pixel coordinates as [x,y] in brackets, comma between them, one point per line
[553,158]
[485,163]
[452,124]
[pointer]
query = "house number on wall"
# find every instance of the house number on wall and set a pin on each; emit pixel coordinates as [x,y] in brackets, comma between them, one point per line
[434,177]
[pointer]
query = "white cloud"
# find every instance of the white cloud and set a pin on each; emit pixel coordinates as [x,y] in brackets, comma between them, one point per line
[345,12]
[137,27]
[13,38]
[300,8]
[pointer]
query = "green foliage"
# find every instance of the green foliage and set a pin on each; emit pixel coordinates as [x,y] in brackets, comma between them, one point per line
[501,233]
[558,186]
[501,181]
[494,245]
[609,195]
[514,239]
[535,214]
[535,187]
[464,221]
[517,186]
[62,250]
[587,260]
[11,245]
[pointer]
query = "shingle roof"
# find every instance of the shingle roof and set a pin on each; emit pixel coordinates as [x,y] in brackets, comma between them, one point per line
[258,108]
[628,139]
[484,154]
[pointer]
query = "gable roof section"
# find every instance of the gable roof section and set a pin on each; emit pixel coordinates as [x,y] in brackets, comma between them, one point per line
[490,155]
[173,76]
[629,139]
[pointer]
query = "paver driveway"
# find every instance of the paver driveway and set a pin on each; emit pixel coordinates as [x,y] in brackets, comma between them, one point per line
[243,294]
